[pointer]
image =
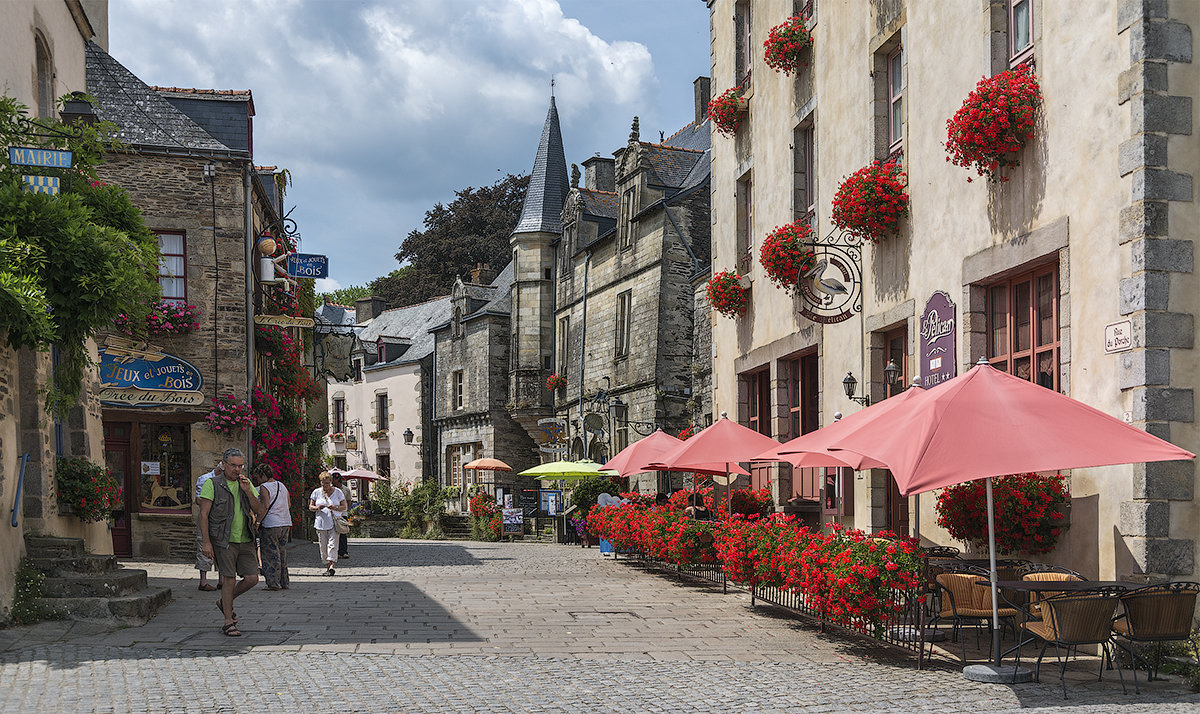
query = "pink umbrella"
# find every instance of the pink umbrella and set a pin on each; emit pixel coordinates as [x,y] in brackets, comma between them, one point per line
[637,457]
[357,473]
[725,442]
[813,448]
[989,423]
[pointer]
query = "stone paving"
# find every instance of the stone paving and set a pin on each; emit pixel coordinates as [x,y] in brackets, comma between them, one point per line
[463,627]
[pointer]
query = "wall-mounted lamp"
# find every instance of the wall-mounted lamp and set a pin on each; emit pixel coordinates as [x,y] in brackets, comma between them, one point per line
[891,374]
[78,110]
[408,437]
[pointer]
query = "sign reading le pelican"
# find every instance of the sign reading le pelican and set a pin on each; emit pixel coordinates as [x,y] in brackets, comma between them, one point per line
[939,352]
[830,284]
[147,379]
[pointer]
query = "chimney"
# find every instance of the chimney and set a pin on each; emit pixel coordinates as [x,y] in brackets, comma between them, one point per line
[703,90]
[600,174]
[482,274]
[368,308]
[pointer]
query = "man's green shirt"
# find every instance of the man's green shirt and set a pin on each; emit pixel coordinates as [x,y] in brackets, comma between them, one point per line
[238,532]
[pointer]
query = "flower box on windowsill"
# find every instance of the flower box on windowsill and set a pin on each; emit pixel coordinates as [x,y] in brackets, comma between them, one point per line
[380,435]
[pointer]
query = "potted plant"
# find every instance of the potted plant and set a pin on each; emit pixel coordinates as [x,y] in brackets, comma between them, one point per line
[994,123]
[725,112]
[230,415]
[379,434]
[726,294]
[85,490]
[555,382]
[337,436]
[1029,514]
[870,202]
[784,49]
[786,253]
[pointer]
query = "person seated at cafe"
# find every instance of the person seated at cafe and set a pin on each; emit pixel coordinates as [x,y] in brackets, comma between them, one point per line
[697,510]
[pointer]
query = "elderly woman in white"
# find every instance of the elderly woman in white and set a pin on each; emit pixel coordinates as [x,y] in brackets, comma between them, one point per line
[324,502]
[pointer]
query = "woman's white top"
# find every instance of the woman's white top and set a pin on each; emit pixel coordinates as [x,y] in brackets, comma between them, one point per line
[280,513]
[324,512]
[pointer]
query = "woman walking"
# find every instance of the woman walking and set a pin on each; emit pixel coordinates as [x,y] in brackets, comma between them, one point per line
[275,532]
[324,502]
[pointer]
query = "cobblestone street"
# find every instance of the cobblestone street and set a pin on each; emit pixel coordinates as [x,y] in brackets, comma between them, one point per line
[449,626]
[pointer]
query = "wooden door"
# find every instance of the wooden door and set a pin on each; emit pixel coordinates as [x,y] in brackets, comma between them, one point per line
[117,459]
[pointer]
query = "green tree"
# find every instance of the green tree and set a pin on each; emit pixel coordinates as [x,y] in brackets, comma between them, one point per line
[473,228]
[344,296]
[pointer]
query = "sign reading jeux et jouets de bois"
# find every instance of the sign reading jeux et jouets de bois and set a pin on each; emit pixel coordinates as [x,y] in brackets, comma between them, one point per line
[938,345]
[148,380]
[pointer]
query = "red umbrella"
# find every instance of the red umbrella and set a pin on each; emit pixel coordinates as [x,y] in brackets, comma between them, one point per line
[989,423]
[725,442]
[637,457]
[813,448]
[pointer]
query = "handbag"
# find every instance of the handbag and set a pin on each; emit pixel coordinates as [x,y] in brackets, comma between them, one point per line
[340,524]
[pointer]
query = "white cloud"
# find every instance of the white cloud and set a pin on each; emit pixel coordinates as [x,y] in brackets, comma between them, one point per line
[326,285]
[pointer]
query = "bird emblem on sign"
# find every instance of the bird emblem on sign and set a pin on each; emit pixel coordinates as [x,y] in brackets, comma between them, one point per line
[819,284]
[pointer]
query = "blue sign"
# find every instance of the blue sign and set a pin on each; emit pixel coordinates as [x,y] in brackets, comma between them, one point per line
[28,156]
[41,184]
[307,265]
[148,379]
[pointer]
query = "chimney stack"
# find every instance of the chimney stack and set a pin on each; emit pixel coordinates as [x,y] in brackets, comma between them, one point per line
[482,274]
[600,174]
[368,308]
[703,89]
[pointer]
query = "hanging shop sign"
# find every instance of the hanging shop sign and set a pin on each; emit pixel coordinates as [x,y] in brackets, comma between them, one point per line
[939,353]
[593,424]
[554,431]
[307,265]
[283,320]
[831,287]
[30,156]
[148,379]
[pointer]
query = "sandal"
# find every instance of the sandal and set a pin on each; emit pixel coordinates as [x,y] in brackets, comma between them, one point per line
[208,588]
[231,630]
[222,609]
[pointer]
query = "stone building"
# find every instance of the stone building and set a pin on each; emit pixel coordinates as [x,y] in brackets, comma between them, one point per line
[379,413]
[1095,230]
[634,236]
[200,191]
[42,47]
[471,417]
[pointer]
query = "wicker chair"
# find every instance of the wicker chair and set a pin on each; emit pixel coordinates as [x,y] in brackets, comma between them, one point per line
[1077,619]
[1157,613]
[962,601]
[1047,575]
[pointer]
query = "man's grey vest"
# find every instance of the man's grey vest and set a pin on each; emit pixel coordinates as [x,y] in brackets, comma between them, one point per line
[220,516]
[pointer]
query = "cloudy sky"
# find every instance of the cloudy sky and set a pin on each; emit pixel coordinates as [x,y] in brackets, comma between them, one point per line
[380,108]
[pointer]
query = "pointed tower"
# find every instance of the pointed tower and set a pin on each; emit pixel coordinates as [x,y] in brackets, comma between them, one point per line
[532,243]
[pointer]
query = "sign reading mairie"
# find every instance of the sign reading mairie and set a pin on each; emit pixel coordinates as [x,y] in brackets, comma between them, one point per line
[938,340]
[29,156]
[149,379]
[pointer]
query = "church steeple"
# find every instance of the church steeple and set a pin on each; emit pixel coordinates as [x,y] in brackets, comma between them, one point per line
[548,185]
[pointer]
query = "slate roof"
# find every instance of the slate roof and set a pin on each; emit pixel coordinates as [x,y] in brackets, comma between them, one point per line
[334,314]
[145,118]
[501,304]
[670,166]
[413,323]
[692,136]
[603,204]
[548,184]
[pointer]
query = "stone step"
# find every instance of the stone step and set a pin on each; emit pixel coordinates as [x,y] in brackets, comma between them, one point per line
[135,609]
[43,547]
[87,564]
[115,584]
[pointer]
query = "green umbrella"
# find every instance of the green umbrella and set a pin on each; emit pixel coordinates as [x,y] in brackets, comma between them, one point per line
[567,470]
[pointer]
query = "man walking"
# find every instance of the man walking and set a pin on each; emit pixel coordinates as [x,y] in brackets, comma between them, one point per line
[226,504]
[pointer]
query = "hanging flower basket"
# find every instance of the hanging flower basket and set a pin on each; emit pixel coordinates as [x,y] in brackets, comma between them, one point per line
[726,294]
[337,436]
[994,123]
[555,381]
[725,112]
[230,415]
[1029,512]
[784,50]
[688,432]
[164,318]
[785,254]
[871,201]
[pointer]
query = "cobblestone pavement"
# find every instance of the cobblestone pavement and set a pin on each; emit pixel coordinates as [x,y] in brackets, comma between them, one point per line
[461,627]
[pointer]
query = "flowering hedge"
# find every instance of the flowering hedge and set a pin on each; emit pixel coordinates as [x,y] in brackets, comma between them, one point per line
[289,377]
[852,578]
[725,113]
[726,294]
[784,48]
[485,516]
[88,490]
[1029,517]
[870,202]
[994,123]
[784,253]
[555,381]
[229,415]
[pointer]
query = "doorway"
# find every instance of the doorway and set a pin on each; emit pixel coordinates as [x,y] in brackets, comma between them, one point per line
[116,458]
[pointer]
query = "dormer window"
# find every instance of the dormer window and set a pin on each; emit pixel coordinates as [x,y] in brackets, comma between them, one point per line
[380,351]
[628,210]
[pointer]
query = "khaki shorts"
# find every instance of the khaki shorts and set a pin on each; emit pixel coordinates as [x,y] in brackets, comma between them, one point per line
[239,558]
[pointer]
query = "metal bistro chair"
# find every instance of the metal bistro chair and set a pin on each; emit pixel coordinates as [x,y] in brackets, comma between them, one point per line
[1156,613]
[1045,572]
[962,601]
[940,551]
[1077,619]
